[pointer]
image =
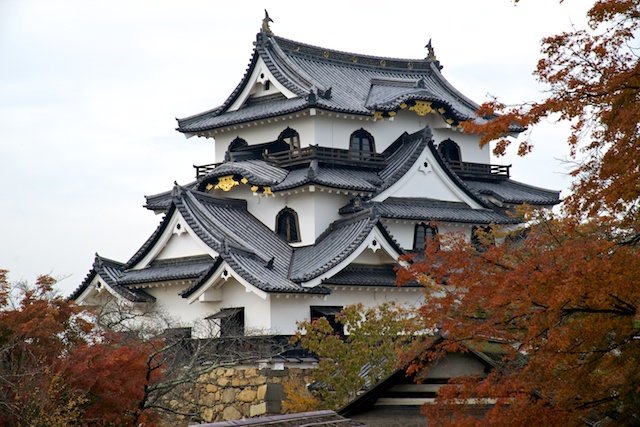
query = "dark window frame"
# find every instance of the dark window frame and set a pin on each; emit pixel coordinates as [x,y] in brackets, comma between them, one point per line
[363,141]
[287,225]
[237,144]
[423,235]
[450,150]
[329,312]
[291,137]
[230,321]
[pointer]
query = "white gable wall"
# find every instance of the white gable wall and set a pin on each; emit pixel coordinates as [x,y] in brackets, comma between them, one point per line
[176,308]
[181,245]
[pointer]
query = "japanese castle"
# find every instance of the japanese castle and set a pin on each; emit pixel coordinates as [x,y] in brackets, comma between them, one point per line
[327,166]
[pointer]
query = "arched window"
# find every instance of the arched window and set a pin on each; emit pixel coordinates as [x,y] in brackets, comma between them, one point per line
[482,238]
[361,140]
[237,144]
[450,150]
[423,236]
[287,225]
[291,138]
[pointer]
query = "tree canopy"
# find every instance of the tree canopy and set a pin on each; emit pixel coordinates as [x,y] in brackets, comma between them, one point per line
[563,292]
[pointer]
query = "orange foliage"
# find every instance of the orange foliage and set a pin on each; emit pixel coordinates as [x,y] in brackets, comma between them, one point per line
[298,398]
[563,294]
[56,369]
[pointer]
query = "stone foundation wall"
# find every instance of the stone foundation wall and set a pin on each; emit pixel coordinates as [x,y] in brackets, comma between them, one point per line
[246,391]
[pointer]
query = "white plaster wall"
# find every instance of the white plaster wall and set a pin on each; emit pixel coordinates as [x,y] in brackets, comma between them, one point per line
[470,150]
[266,130]
[421,181]
[257,311]
[316,210]
[368,256]
[333,130]
[180,245]
[180,312]
[287,310]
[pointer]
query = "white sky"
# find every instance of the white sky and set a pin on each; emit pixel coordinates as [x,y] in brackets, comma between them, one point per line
[89,92]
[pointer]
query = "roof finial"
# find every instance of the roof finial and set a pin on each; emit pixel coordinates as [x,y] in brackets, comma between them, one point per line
[265,24]
[430,52]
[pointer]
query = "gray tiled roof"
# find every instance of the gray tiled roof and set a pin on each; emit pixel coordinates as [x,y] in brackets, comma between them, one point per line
[258,172]
[366,275]
[170,269]
[333,246]
[111,272]
[342,178]
[509,191]
[423,209]
[401,155]
[308,419]
[338,81]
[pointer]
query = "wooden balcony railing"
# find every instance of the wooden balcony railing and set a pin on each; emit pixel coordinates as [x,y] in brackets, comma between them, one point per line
[334,156]
[479,170]
[202,170]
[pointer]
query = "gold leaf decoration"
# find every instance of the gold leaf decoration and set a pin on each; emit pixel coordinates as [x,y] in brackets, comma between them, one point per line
[422,108]
[226,183]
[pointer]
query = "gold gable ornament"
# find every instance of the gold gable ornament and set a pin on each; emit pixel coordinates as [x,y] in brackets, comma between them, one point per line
[421,108]
[226,183]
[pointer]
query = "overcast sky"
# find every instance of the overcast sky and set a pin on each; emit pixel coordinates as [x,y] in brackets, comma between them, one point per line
[89,92]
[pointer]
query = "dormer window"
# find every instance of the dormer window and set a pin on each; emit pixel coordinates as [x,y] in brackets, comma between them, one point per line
[361,140]
[237,144]
[450,151]
[291,138]
[287,225]
[423,236]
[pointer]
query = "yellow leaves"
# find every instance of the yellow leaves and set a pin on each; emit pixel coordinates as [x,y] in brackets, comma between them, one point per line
[298,398]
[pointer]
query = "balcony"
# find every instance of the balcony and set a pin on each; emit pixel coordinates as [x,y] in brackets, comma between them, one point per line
[331,156]
[479,170]
[202,170]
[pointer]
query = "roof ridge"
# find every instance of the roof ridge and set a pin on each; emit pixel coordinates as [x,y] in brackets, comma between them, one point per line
[352,58]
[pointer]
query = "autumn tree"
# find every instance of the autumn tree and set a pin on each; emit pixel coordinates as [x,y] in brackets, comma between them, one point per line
[57,369]
[563,292]
[348,363]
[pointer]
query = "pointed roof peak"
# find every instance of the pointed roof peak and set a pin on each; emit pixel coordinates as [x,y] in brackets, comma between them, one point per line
[265,24]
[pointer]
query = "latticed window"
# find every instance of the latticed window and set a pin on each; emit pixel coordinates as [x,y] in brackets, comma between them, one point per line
[450,150]
[361,140]
[424,235]
[291,137]
[287,225]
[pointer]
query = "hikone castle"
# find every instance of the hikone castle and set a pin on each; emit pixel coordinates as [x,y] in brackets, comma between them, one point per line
[326,167]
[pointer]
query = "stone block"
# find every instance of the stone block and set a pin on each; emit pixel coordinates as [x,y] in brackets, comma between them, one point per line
[259,409]
[246,395]
[211,388]
[230,373]
[251,373]
[237,382]
[262,391]
[258,380]
[229,395]
[231,413]
[223,382]
[207,414]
